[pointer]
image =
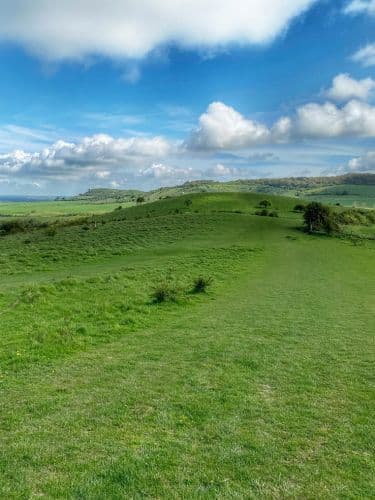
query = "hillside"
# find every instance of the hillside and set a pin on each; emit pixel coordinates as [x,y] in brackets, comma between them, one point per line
[258,387]
[350,189]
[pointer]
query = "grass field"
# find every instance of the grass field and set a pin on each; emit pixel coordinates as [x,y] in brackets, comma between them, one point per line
[262,387]
[43,209]
[345,194]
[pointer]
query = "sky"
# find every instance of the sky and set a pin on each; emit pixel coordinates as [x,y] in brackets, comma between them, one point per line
[148,93]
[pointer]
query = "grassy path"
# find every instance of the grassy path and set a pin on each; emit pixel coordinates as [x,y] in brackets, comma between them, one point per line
[262,390]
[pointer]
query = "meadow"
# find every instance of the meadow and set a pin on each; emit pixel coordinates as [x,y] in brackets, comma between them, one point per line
[259,387]
[49,209]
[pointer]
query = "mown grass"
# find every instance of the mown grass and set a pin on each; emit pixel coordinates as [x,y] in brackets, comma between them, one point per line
[259,388]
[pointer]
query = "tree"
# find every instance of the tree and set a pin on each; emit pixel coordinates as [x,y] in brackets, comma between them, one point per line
[140,199]
[265,203]
[319,217]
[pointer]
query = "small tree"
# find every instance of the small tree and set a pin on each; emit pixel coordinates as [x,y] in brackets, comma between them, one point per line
[188,202]
[265,203]
[140,199]
[319,217]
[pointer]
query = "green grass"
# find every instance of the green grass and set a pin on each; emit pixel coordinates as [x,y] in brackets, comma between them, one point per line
[43,209]
[345,194]
[259,388]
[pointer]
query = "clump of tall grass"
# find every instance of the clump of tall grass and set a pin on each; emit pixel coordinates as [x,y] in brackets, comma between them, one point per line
[201,284]
[164,292]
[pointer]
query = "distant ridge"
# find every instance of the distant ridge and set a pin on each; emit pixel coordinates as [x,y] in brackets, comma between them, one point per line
[291,186]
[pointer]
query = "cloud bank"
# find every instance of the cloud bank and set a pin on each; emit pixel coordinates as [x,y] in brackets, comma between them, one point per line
[96,156]
[76,29]
[221,127]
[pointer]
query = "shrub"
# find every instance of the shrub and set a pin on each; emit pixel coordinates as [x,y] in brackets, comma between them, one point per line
[164,292]
[10,227]
[273,214]
[188,202]
[319,217]
[265,203]
[201,284]
[140,199]
[299,207]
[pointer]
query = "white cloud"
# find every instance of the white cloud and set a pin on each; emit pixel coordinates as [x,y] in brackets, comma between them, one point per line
[71,160]
[222,127]
[365,163]
[356,119]
[360,6]
[161,171]
[365,55]
[345,88]
[16,136]
[220,170]
[76,29]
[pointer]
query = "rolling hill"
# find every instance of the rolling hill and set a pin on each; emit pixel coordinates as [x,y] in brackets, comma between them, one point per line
[258,387]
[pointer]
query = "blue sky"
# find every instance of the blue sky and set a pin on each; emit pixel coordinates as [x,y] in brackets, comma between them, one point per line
[116,94]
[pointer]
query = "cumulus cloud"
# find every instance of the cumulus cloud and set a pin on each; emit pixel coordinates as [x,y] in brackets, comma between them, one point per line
[356,119]
[75,29]
[345,88]
[66,159]
[221,127]
[365,55]
[360,6]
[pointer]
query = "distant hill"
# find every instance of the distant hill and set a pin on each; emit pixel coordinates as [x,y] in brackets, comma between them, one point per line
[345,189]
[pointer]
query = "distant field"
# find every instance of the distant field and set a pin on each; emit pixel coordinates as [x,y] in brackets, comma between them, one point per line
[261,387]
[55,208]
[347,195]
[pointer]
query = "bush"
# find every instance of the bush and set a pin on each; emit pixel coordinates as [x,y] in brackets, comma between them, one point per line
[319,217]
[299,207]
[11,227]
[265,203]
[273,214]
[201,284]
[188,202]
[140,199]
[164,292]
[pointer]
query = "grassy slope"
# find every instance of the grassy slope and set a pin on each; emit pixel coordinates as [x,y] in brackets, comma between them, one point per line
[347,195]
[262,387]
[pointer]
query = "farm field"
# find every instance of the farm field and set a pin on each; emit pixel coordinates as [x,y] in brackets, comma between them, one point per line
[260,387]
